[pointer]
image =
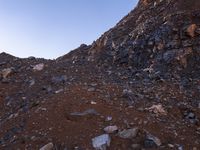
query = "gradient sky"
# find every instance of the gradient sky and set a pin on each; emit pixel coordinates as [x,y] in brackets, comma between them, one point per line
[51,28]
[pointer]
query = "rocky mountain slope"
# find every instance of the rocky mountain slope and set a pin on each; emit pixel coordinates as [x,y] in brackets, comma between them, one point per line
[136,87]
[162,35]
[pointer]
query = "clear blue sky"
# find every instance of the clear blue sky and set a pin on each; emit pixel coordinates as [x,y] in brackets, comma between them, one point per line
[51,28]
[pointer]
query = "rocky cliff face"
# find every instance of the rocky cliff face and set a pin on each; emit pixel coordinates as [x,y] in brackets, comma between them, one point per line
[158,35]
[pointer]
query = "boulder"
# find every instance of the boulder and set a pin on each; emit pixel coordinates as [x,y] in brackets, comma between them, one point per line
[38,67]
[129,133]
[101,142]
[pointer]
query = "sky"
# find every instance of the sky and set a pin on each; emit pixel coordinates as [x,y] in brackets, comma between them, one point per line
[51,28]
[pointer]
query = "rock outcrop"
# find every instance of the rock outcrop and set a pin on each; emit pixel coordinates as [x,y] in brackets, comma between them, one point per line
[162,35]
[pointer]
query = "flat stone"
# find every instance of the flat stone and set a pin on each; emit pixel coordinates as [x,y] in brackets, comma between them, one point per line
[129,133]
[110,129]
[101,142]
[48,146]
[86,112]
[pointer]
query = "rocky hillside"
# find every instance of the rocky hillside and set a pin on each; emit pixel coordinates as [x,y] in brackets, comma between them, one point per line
[137,87]
[158,35]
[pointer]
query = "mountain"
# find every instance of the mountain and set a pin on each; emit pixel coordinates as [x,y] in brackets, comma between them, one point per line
[136,87]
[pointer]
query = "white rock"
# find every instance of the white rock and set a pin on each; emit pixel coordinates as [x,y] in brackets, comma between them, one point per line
[101,142]
[108,118]
[136,146]
[127,134]
[48,146]
[59,91]
[157,109]
[94,84]
[38,67]
[110,129]
[93,102]
[170,145]
[6,72]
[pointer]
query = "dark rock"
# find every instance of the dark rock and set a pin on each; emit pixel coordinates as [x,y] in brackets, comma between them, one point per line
[151,141]
[48,89]
[129,133]
[83,46]
[59,79]
[148,143]
[129,95]
[31,82]
[84,113]
[189,115]
[169,56]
